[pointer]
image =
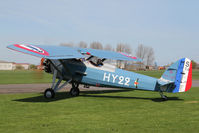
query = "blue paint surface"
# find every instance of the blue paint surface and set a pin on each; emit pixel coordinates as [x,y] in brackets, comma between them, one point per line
[63,52]
[179,75]
[55,52]
[96,77]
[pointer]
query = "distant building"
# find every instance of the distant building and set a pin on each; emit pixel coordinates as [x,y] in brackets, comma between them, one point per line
[197,66]
[150,68]
[135,66]
[4,65]
[24,65]
[161,68]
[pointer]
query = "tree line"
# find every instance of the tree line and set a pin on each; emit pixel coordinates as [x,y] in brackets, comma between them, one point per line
[146,53]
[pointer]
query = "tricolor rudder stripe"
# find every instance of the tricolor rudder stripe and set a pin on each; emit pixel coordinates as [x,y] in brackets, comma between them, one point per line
[189,79]
[183,80]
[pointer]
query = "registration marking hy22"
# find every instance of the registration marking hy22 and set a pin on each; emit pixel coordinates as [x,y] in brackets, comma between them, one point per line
[121,80]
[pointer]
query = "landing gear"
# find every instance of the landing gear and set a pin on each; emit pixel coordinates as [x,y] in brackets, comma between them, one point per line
[49,93]
[56,85]
[164,98]
[74,90]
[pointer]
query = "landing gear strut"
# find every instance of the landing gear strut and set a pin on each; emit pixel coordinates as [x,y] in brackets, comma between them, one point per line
[74,90]
[164,98]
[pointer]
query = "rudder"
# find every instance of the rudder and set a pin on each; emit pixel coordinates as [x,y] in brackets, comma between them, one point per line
[179,73]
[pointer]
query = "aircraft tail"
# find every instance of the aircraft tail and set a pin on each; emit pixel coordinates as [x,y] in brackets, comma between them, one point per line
[178,77]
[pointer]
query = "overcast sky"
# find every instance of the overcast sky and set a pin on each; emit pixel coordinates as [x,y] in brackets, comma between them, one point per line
[171,27]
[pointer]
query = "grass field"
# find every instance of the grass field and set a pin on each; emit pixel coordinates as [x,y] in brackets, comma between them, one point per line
[100,111]
[28,77]
[24,77]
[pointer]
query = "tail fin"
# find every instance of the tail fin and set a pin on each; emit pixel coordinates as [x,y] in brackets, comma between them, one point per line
[178,77]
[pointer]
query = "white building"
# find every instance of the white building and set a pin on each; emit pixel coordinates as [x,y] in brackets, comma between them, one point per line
[24,65]
[4,65]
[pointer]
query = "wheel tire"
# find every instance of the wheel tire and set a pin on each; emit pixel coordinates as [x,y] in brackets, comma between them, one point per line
[74,92]
[49,93]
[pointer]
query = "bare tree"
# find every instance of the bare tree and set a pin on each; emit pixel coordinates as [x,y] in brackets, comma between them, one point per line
[146,54]
[96,45]
[82,44]
[141,52]
[150,56]
[123,48]
[70,44]
[108,47]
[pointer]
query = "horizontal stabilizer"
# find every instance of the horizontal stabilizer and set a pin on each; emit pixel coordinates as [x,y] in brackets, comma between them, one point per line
[164,83]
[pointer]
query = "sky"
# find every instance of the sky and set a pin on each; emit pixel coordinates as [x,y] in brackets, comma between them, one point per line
[170,27]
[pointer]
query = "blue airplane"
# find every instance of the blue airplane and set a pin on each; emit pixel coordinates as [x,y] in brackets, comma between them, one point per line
[86,66]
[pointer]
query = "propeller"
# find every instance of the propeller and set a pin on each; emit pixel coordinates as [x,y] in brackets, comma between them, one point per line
[38,73]
[41,66]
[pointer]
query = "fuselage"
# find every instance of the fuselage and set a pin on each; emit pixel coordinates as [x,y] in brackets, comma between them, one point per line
[107,75]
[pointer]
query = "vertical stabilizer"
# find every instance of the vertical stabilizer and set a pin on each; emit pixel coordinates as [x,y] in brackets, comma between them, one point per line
[180,73]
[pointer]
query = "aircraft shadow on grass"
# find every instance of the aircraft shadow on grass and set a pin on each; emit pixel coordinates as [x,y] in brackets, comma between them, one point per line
[66,95]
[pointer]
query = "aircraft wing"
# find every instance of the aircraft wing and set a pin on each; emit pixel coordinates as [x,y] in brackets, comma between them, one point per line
[109,54]
[49,52]
[63,52]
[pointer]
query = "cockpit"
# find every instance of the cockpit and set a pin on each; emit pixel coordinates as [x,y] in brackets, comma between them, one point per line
[96,61]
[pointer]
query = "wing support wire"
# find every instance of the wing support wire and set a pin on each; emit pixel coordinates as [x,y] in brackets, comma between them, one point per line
[56,86]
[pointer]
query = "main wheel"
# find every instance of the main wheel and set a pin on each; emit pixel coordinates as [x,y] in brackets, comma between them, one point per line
[49,93]
[74,92]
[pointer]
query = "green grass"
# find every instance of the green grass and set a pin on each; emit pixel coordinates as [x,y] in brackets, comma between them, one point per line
[28,77]
[24,77]
[195,74]
[98,112]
